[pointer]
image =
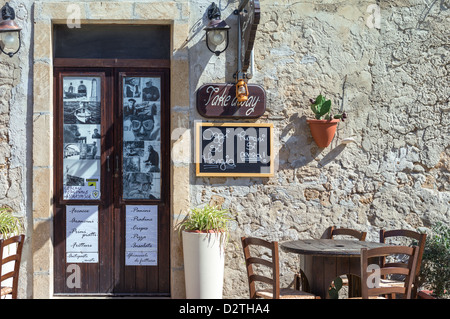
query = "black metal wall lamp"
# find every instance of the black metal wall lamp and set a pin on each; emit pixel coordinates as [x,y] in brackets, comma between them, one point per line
[9,31]
[248,14]
[217,30]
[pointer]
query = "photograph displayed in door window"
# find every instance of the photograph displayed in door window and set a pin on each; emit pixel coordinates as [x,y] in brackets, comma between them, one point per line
[81,137]
[141,138]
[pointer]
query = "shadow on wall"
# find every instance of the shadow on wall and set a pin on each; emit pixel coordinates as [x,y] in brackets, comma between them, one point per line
[204,61]
[297,146]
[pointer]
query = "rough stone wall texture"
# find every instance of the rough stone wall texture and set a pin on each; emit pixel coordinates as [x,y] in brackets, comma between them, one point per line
[389,72]
[15,127]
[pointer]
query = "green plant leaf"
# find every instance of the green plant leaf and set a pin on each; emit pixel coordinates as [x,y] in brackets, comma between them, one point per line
[334,294]
[207,219]
[435,268]
[338,283]
[326,106]
[320,99]
[10,225]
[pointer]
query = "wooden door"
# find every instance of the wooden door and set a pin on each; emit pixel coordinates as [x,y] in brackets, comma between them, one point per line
[111,177]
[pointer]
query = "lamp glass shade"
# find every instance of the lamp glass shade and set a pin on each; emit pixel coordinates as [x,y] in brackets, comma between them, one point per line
[217,37]
[9,39]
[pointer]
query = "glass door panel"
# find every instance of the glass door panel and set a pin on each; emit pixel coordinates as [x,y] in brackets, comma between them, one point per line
[81,137]
[141,137]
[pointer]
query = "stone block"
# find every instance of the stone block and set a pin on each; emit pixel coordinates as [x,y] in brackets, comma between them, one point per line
[43,45]
[42,192]
[180,81]
[42,139]
[105,10]
[43,87]
[157,11]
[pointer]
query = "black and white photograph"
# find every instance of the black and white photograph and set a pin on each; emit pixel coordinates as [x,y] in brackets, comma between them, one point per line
[151,162]
[141,137]
[81,137]
[81,161]
[141,185]
[81,169]
[81,178]
[82,112]
[81,89]
[132,87]
[132,164]
[142,158]
[76,133]
[81,100]
[133,148]
[151,89]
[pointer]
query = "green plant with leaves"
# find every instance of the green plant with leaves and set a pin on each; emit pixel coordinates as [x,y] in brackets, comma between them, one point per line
[321,108]
[10,225]
[207,219]
[336,285]
[435,268]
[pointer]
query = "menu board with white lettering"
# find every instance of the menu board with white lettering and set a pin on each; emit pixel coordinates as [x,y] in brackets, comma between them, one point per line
[82,234]
[234,149]
[141,235]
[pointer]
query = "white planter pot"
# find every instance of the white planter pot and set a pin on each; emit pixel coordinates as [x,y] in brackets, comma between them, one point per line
[204,261]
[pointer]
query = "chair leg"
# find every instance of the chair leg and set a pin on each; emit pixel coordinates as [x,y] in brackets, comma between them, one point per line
[354,286]
[297,282]
[301,282]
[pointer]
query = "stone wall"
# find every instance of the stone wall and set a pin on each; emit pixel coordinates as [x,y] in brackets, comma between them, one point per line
[385,63]
[15,121]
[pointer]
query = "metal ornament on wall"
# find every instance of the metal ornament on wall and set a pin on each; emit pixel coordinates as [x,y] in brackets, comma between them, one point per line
[249,13]
[248,19]
[8,30]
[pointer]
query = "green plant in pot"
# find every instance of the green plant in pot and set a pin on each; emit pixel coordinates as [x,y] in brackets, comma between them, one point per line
[205,231]
[323,126]
[10,225]
[435,268]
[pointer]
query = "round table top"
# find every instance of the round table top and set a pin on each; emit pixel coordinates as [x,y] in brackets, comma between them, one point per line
[330,247]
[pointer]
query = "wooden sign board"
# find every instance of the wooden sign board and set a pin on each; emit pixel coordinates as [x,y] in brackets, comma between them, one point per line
[234,149]
[219,101]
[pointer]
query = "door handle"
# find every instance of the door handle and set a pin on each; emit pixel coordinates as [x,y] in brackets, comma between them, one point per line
[108,169]
[116,173]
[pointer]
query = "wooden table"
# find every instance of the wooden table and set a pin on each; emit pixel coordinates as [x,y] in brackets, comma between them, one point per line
[325,259]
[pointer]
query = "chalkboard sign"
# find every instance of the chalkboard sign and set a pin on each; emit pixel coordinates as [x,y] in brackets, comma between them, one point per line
[234,149]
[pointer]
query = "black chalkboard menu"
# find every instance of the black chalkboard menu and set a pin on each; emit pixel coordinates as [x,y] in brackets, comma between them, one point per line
[234,149]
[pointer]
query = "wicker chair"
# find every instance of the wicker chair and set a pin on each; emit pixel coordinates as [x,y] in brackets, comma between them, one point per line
[5,245]
[274,292]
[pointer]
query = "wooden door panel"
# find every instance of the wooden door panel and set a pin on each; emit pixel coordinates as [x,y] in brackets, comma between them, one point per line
[149,278]
[107,272]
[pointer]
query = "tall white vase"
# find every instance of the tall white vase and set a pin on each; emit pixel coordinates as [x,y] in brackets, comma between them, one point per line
[204,261]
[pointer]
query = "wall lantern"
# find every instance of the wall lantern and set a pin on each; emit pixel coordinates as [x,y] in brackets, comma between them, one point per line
[217,30]
[241,91]
[9,30]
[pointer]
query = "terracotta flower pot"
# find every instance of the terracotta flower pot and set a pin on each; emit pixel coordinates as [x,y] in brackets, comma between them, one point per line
[323,131]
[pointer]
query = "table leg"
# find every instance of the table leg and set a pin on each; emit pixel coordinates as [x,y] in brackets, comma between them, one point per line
[322,270]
